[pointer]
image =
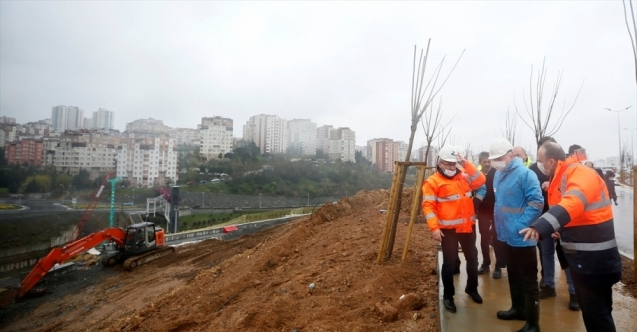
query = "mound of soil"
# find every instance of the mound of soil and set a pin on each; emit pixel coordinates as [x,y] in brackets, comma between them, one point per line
[315,273]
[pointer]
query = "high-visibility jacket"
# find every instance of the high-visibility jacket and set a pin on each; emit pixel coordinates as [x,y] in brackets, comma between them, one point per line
[447,202]
[527,162]
[580,209]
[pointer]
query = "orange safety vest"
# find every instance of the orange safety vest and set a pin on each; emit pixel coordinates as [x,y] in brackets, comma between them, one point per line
[580,208]
[447,203]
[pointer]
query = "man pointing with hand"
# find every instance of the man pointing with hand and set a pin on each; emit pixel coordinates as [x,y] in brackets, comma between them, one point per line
[581,212]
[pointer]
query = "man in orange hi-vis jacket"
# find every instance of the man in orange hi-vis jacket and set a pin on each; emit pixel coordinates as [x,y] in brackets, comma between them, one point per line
[580,215]
[448,208]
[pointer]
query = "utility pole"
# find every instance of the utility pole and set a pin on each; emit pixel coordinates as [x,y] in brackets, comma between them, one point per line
[308,199]
[203,202]
[632,146]
[259,200]
[63,189]
[619,140]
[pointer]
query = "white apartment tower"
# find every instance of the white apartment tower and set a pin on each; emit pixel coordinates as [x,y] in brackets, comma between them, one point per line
[302,137]
[216,137]
[66,117]
[342,145]
[323,138]
[268,132]
[147,160]
[102,119]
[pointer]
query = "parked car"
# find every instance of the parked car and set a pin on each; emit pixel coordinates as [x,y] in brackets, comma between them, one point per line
[195,206]
[190,183]
[128,204]
[202,182]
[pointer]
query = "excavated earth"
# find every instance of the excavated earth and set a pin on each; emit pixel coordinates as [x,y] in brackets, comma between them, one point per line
[312,274]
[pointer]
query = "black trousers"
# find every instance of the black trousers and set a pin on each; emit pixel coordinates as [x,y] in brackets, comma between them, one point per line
[521,265]
[450,242]
[489,235]
[595,297]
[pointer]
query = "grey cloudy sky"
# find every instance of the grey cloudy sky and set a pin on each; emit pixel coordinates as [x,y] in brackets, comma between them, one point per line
[338,63]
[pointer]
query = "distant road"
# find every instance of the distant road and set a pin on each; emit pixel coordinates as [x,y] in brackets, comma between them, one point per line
[623,216]
[33,205]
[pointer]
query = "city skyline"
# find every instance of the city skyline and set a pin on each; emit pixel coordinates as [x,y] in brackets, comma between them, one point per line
[343,64]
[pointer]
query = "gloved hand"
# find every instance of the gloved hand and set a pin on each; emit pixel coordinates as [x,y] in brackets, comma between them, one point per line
[616,203]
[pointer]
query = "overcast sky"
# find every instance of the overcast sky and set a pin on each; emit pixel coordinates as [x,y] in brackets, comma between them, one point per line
[337,63]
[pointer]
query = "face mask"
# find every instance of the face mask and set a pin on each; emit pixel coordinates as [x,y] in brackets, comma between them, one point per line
[499,165]
[540,166]
[450,173]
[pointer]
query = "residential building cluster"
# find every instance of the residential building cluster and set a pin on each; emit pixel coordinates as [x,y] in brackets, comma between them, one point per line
[145,153]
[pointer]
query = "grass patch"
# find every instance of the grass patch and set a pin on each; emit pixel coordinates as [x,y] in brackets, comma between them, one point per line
[9,207]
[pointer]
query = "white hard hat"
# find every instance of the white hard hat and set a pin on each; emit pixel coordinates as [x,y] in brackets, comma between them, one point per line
[448,153]
[499,147]
[461,151]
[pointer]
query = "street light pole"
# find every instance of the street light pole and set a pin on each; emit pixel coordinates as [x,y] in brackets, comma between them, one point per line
[133,196]
[632,146]
[619,137]
[259,201]
[63,189]
[308,199]
[203,202]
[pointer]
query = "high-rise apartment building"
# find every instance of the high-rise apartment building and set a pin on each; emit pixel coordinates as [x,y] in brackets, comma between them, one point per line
[402,150]
[187,136]
[386,153]
[302,137]
[25,152]
[147,160]
[216,137]
[67,117]
[268,132]
[8,133]
[102,119]
[323,138]
[342,145]
[94,151]
[430,157]
[7,120]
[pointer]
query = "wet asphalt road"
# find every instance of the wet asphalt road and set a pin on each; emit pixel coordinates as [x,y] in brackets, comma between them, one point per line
[623,216]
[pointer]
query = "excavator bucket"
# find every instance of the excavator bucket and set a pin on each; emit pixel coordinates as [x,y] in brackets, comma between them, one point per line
[7,297]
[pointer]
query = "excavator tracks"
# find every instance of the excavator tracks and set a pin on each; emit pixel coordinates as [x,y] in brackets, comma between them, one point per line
[135,261]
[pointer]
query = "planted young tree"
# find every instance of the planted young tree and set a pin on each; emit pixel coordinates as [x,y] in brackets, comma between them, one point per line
[421,97]
[510,128]
[540,116]
[432,127]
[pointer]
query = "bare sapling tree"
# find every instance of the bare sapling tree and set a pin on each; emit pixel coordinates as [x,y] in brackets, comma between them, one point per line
[632,33]
[510,128]
[431,126]
[444,136]
[421,97]
[538,115]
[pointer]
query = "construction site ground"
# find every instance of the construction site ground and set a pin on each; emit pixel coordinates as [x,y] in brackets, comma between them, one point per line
[312,274]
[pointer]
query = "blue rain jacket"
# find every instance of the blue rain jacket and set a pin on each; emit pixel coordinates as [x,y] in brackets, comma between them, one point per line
[518,202]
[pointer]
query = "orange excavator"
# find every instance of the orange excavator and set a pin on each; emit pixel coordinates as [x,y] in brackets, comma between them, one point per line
[137,245]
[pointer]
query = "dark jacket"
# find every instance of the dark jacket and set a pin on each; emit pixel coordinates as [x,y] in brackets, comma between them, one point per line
[486,206]
[610,185]
[542,178]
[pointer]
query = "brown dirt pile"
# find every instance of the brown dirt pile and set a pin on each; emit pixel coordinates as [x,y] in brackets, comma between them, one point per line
[317,274]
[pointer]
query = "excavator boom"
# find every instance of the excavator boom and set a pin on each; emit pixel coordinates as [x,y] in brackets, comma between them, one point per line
[61,254]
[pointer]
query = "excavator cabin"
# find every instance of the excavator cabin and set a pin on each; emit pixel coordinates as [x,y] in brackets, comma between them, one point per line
[143,237]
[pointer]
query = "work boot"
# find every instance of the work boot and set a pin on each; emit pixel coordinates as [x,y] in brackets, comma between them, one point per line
[474,295]
[449,305]
[483,269]
[532,315]
[573,304]
[517,305]
[497,274]
[547,291]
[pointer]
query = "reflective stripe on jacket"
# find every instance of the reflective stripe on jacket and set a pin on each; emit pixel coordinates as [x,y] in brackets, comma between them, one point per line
[518,202]
[447,203]
[580,208]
